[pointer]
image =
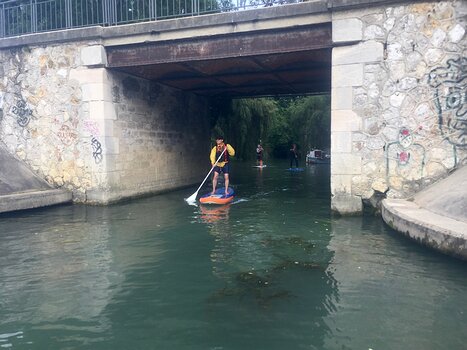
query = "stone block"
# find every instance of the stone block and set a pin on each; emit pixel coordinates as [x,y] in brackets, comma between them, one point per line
[112,163]
[341,184]
[346,204]
[345,164]
[341,142]
[114,178]
[456,34]
[395,52]
[93,56]
[110,145]
[96,92]
[345,30]
[98,196]
[345,120]
[90,75]
[105,127]
[341,98]
[365,52]
[380,185]
[102,110]
[347,75]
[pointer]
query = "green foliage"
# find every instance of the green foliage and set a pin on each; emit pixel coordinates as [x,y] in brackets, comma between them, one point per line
[277,123]
[310,121]
[244,123]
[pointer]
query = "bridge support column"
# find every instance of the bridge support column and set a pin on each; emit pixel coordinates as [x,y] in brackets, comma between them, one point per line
[98,125]
[347,75]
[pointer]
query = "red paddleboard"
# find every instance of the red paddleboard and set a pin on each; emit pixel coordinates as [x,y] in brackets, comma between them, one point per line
[219,197]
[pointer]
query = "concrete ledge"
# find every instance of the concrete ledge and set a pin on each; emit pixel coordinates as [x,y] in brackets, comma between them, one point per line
[346,204]
[444,234]
[33,199]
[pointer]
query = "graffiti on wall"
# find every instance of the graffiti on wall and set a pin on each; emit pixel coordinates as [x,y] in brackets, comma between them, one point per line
[22,112]
[96,150]
[66,135]
[404,157]
[440,105]
[449,85]
[96,146]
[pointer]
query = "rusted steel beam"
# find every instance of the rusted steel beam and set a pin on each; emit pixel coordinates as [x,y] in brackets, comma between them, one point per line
[303,38]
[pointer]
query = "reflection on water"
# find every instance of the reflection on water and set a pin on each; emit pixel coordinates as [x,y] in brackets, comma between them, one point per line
[272,270]
[211,214]
[391,286]
[46,266]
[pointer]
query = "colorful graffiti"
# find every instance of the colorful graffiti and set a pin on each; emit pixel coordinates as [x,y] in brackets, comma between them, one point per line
[450,98]
[439,105]
[404,157]
[91,127]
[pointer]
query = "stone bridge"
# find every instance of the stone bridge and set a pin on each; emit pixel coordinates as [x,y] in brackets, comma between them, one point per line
[115,112]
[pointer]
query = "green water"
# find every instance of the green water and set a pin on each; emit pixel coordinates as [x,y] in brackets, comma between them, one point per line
[273,270]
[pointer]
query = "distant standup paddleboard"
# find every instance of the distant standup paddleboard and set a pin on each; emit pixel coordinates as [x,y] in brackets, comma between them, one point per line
[218,197]
[259,166]
[295,169]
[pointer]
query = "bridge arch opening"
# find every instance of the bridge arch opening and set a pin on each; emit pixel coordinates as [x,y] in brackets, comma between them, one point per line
[277,68]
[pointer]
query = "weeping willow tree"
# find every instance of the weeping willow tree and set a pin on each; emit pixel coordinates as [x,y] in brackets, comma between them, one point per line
[280,133]
[303,120]
[245,123]
[310,122]
[276,123]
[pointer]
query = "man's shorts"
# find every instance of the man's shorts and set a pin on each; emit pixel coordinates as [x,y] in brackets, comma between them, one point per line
[225,169]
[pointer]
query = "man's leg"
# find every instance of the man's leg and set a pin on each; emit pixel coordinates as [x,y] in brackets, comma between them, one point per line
[214,182]
[226,178]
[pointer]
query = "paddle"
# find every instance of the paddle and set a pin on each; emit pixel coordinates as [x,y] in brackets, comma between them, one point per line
[192,198]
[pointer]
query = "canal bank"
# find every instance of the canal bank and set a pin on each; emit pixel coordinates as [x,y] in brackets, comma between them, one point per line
[435,217]
[21,189]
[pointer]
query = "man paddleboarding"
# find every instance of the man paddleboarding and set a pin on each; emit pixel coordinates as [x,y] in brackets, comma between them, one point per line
[223,165]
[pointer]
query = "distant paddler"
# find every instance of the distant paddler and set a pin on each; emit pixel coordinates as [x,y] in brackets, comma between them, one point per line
[259,155]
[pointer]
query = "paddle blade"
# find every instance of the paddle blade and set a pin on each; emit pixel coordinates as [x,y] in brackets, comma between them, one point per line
[192,199]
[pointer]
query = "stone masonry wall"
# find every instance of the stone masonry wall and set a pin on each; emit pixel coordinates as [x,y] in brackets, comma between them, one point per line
[102,135]
[162,134]
[40,108]
[399,117]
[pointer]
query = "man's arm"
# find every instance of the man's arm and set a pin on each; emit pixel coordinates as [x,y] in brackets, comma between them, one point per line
[230,150]
[212,156]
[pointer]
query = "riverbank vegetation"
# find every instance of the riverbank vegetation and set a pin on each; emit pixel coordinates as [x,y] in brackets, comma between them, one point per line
[276,123]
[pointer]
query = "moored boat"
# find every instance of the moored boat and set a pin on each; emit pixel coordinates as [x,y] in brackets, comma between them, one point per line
[317,156]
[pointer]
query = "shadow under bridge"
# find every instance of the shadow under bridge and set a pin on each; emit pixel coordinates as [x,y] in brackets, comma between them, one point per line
[285,61]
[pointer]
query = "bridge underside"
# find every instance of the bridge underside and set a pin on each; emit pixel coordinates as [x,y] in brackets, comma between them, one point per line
[289,61]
